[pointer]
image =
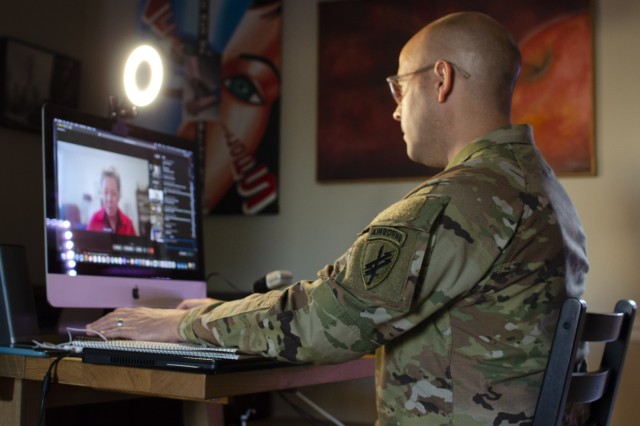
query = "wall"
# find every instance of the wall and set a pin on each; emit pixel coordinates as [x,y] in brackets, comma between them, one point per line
[99,34]
[318,222]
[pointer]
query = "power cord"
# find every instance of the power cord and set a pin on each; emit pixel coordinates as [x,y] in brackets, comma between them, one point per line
[310,419]
[301,412]
[224,279]
[244,418]
[69,344]
[46,383]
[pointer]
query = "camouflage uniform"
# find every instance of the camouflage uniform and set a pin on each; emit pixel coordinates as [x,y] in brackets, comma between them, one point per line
[456,287]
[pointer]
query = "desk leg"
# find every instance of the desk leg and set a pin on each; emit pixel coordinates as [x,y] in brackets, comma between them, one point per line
[202,413]
[20,402]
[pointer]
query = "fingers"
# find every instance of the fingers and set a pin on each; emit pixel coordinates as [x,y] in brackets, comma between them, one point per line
[139,324]
[192,303]
[185,304]
[111,322]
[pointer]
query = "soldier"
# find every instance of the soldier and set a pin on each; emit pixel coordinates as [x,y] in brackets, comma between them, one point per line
[457,286]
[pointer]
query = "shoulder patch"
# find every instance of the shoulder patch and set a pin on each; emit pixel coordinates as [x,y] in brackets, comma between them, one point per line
[380,254]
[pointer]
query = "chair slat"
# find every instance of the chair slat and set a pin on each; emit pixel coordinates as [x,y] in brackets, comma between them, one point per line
[587,387]
[599,327]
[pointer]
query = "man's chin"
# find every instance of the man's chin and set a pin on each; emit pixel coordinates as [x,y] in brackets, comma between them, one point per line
[411,153]
[425,160]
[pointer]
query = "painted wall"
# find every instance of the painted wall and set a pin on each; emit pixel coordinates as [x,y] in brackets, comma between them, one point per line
[319,221]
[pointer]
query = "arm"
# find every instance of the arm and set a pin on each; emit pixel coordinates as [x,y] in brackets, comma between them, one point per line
[360,302]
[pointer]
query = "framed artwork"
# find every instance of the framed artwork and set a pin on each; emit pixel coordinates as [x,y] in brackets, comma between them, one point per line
[31,75]
[359,44]
[222,61]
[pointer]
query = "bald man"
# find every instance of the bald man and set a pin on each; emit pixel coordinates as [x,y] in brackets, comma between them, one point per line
[457,286]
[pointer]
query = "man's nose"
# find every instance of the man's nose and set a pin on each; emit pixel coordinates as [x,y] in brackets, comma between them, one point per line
[397,113]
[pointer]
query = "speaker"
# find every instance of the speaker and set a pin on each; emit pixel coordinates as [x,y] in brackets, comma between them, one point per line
[18,321]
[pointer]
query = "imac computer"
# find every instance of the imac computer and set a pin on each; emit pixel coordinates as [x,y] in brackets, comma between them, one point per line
[122,214]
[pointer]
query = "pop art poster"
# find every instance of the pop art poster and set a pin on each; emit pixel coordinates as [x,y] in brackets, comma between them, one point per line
[359,43]
[222,89]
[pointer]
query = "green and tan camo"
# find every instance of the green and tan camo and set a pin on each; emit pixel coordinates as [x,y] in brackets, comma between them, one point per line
[456,288]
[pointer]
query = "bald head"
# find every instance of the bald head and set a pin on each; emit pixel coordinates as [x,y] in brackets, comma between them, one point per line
[455,83]
[477,44]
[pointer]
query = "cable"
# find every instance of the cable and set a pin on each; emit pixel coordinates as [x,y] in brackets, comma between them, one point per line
[302,413]
[318,409]
[46,382]
[225,280]
[96,332]
[68,345]
[310,419]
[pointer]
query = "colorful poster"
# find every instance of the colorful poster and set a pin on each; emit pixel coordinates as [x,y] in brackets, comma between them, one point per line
[222,89]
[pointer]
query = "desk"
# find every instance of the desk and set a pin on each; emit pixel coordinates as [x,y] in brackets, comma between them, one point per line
[21,381]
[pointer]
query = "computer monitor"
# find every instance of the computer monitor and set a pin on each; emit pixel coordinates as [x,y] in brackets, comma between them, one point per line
[122,214]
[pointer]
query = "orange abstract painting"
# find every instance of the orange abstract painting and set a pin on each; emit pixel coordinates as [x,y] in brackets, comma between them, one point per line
[359,43]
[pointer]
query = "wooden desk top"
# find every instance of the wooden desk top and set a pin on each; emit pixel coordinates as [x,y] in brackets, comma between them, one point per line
[182,385]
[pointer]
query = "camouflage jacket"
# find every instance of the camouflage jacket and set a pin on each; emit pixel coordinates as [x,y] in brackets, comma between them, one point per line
[456,288]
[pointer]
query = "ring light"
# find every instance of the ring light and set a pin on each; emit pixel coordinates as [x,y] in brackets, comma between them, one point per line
[137,96]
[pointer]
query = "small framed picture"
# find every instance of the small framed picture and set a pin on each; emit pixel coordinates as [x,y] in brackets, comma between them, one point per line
[31,75]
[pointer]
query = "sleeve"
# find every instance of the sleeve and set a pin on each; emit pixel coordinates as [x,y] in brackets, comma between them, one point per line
[348,310]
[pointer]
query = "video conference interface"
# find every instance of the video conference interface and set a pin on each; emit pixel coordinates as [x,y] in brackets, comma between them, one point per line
[126,206]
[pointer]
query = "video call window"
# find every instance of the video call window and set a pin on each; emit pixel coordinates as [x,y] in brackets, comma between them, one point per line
[125,204]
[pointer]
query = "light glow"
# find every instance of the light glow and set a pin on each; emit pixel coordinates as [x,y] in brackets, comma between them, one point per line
[137,96]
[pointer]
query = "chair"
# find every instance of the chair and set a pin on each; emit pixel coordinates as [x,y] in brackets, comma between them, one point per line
[71,212]
[563,384]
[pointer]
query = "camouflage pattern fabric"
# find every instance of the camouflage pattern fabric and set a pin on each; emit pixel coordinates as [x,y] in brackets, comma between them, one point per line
[456,288]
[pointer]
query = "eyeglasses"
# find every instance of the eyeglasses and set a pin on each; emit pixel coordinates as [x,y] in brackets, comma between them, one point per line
[394,80]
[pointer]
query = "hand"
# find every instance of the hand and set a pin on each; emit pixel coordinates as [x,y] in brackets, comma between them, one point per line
[192,303]
[159,325]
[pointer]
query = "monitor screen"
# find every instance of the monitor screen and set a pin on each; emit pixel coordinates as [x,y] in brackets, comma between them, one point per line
[122,214]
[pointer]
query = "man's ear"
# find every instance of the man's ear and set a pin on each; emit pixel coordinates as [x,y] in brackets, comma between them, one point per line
[444,73]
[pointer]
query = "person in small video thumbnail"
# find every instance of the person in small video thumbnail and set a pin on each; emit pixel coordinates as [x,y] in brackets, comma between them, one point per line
[110,218]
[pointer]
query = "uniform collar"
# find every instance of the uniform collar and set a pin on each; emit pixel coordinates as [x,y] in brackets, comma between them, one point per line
[513,133]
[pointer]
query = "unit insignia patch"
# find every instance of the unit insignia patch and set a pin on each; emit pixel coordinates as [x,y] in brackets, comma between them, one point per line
[380,254]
